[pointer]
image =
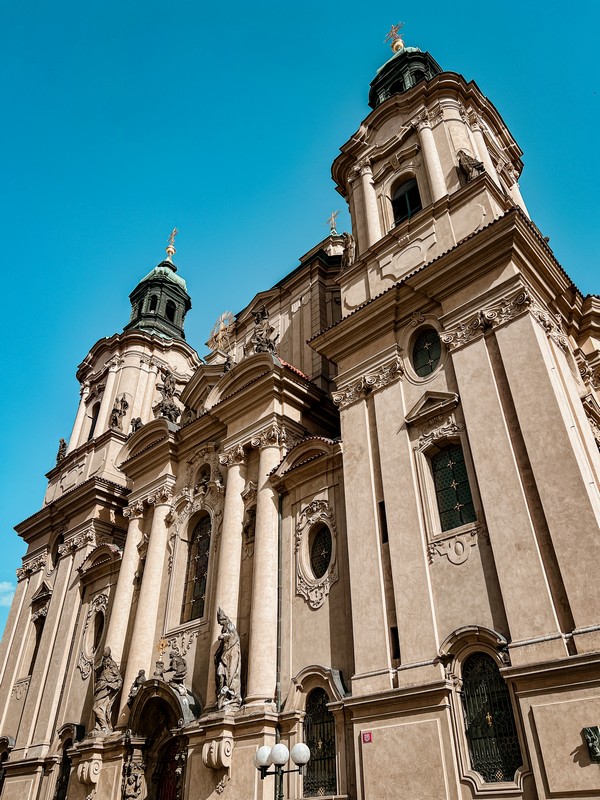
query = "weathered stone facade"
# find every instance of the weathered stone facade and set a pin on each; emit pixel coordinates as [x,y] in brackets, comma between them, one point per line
[367,519]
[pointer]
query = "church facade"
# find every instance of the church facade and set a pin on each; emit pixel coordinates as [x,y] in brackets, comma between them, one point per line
[366,521]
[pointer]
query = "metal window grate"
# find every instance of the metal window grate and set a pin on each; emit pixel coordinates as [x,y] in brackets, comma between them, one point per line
[426,353]
[320,551]
[319,735]
[489,722]
[197,572]
[455,503]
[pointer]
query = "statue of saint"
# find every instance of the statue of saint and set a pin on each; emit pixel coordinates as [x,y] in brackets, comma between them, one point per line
[136,686]
[228,663]
[108,684]
[178,667]
[349,252]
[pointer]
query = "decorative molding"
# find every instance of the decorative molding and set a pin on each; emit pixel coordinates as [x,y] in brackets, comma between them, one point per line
[235,455]
[485,319]
[249,494]
[437,429]
[134,510]
[88,537]
[370,382]
[41,613]
[314,590]
[181,642]
[85,663]
[32,565]
[88,773]
[160,496]
[457,546]
[273,436]
[133,773]
[552,325]
[19,689]
[209,456]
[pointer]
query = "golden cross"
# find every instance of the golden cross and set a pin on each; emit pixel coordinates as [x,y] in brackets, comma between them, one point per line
[174,233]
[393,34]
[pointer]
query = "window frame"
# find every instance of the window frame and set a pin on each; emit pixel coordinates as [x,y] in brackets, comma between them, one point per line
[194,523]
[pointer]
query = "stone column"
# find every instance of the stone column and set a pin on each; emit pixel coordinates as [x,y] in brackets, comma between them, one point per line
[142,639]
[146,412]
[107,398]
[121,604]
[230,551]
[79,419]
[262,651]
[370,203]
[431,157]
[482,151]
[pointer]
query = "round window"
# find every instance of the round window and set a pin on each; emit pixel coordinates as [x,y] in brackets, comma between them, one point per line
[426,352]
[320,550]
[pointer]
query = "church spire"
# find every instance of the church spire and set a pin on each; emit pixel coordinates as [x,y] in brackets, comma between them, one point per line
[160,301]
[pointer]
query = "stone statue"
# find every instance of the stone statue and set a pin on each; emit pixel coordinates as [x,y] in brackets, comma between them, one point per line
[119,410]
[136,424]
[469,166]
[261,336]
[349,252]
[136,686]
[228,663]
[108,684]
[62,450]
[132,779]
[178,667]
[592,738]
[167,407]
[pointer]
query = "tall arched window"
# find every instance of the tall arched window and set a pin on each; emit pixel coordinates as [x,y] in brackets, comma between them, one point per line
[406,201]
[453,493]
[62,783]
[95,412]
[170,310]
[194,596]
[489,722]
[153,303]
[319,735]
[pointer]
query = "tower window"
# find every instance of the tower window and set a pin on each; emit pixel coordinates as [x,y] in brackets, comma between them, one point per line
[95,412]
[426,352]
[319,735]
[170,310]
[489,722]
[194,597]
[453,493]
[397,86]
[406,201]
[153,303]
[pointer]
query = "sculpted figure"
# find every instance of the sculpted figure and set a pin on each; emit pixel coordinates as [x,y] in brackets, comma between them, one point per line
[469,166]
[178,667]
[349,252]
[136,686]
[108,683]
[261,336]
[62,450]
[167,406]
[119,410]
[136,424]
[592,738]
[228,663]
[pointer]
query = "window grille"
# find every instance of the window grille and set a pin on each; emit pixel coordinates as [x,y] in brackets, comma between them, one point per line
[194,596]
[453,493]
[406,201]
[319,735]
[427,351]
[320,551]
[489,722]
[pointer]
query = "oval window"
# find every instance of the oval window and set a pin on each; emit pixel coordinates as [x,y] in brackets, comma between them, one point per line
[320,551]
[426,352]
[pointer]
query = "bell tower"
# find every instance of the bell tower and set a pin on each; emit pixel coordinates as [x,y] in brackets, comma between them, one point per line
[431,164]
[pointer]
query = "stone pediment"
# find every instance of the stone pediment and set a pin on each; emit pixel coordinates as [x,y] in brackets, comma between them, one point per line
[43,593]
[432,404]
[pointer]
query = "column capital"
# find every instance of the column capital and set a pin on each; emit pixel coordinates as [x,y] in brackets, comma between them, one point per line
[235,455]
[273,436]
[422,121]
[134,511]
[160,496]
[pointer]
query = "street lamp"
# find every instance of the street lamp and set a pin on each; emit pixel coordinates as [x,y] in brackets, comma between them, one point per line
[277,756]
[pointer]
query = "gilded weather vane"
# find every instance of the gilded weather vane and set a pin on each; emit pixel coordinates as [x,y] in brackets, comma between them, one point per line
[394,37]
[171,244]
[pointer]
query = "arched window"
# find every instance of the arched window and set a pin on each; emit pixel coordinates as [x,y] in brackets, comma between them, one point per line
[95,412]
[489,722]
[453,493]
[319,735]
[153,303]
[194,596]
[170,310]
[396,87]
[62,783]
[426,352]
[406,201]
[38,629]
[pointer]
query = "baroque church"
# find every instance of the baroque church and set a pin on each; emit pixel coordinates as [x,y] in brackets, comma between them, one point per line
[365,522]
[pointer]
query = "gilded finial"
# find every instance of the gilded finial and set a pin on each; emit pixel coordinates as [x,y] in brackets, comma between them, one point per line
[171,244]
[394,38]
[163,644]
[332,222]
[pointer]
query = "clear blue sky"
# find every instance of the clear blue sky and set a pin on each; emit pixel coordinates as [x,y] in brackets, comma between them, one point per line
[122,120]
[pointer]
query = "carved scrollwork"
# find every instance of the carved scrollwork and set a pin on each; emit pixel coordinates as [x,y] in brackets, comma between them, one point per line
[83,539]
[272,436]
[457,547]
[88,773]
[370,382]
[19,689]
[160,496]
[314,589]
[134,510]
[236,455]
[551,325]
[485,319]
[31,566]
[438,429]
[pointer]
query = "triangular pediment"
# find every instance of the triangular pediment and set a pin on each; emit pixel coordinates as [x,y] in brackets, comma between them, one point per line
[43,592]
[430,405]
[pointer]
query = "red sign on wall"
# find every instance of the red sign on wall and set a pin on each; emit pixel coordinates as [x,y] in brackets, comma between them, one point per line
[367,737]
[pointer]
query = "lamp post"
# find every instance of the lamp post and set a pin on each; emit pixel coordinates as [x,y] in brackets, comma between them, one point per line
[277,757]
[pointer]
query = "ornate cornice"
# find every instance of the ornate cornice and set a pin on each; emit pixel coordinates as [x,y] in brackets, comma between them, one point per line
[32,565]
[82,539]
[370,382]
